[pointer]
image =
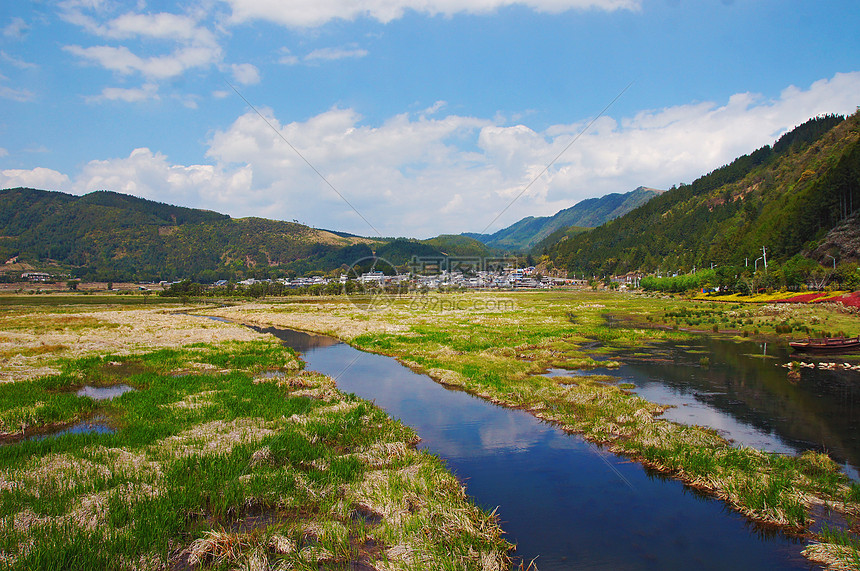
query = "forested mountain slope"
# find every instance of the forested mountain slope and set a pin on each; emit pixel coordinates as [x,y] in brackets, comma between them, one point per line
[110,236]
[526,233]
[784,197]
[107,236]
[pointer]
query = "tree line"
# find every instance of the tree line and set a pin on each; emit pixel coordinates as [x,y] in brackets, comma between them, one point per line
[785,197]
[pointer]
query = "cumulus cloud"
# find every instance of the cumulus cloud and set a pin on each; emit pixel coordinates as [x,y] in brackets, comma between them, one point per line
[150,175]
[309,13]
[38,177]
[417,175]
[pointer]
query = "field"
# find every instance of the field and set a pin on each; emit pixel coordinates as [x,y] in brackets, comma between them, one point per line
[497,345]
[222,453]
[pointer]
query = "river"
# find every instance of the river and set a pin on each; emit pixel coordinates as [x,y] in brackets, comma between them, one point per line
[564,502]
[745,392]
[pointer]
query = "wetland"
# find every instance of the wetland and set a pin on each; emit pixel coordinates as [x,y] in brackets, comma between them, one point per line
[226,454]
[564,503]
[590,429]
[503,357]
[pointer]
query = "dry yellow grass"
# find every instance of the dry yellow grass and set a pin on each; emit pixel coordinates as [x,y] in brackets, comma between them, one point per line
[28,353]
[341,320]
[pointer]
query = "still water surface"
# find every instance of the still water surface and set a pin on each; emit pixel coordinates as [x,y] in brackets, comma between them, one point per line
[561,500]
[746,393]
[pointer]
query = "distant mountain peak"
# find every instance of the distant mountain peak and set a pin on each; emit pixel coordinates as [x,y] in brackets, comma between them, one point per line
[587,213]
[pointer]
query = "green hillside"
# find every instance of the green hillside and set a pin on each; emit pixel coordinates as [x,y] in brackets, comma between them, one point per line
[528,232]
[784,197]
[107,236]
[795,197]
[110,236]
[461,245]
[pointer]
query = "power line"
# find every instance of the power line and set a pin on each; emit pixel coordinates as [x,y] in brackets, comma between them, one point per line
[552,162]
[301,156]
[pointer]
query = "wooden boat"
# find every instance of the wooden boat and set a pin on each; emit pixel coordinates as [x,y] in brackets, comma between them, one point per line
[827,345]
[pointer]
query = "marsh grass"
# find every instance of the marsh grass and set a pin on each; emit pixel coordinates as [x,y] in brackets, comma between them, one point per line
[37,340]
[226,455]
[501,358]
[837,549]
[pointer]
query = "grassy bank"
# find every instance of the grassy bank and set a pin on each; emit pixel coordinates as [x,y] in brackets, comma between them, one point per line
[498,345]
[226,454]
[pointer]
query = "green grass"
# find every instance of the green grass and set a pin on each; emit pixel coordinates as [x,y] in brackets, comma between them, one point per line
[78,300]
[226,455]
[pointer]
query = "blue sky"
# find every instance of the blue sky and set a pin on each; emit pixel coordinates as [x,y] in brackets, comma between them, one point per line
[427,116]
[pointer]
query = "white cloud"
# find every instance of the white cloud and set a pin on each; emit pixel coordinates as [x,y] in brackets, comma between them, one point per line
[435,108]
[38,177]
[388,172]
[287,58]
[16,29]
[245,73]
[17,62]
[162,25]
[132,95]
[150,175]
[193,46]
[332,54]
[122,60]
[309,13]
[189,101]
[419,176]
[3,152]
[322,55]
[20,95]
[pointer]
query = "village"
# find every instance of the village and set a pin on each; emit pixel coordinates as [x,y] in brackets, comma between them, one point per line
[508,278]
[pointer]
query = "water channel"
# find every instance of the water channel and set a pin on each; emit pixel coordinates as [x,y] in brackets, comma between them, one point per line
[565,503]
[746,393]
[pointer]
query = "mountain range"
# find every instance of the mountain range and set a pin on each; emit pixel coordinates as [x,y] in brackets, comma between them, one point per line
[108,236]
[794,198]
[781,201]
[526,233]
